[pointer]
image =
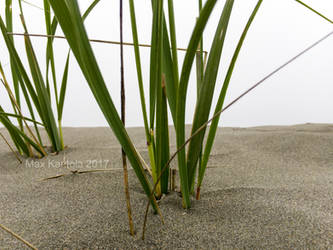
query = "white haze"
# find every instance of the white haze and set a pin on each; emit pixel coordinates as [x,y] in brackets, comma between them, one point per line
[300,93]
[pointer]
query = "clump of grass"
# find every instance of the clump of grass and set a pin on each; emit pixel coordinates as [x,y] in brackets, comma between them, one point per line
[69,17]
[36,90]
[168,88]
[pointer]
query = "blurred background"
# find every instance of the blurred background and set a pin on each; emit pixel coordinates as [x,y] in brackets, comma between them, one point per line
[300,93]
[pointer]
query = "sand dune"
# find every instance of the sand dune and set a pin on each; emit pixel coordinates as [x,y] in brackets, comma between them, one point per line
[266,187]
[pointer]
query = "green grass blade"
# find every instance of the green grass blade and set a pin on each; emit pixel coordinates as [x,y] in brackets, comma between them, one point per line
[68,15]
[54,26]
[18,116]
[19,68]
[313,10]
[62,96]
[199,70]
[155,84]
[149,136]
[219,105]
[63,88]
[139,69]
[172,28]
[16,138]
[181,96]
[149,133]
[30,108]
[9,27]
[164,138]
[199,61]
[29,105]
[19,137]
[47,115]
[167,91]
[89,9]
[9,16]
[167,65]
[51,29]
[31,142]
[160,134]
[153,69]
[22,75]
[4,81]
[168,69]
[49,52]
[61,100]
[47,16]
[204,102]
[199,76]
[155,59]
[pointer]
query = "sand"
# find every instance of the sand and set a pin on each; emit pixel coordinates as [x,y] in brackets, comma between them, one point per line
[266,187]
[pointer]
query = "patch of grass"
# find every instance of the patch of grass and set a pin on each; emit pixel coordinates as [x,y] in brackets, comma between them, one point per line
[36,90]
[168,89]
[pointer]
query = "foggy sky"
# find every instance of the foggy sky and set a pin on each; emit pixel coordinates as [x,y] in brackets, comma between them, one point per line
[300,93]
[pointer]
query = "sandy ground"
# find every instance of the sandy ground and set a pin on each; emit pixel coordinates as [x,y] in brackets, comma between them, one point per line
[266,187]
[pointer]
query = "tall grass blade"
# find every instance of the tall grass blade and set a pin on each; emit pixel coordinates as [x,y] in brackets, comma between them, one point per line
[155,84]
[171,78]
[17,79]
[181,96]
[139,69]
[61,102]
[168,69]
[68,15]
[162,135]
[47,115]
[63,89]
[219,105]
[49,53]
[155,71]
[207,91]
[199,60]
[9,27]
[172,28]
[199,74]
[29,104]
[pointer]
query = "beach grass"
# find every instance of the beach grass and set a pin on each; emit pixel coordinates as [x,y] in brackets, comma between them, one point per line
[35,90]
[168,89]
